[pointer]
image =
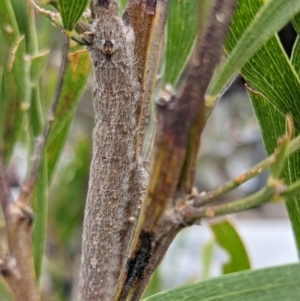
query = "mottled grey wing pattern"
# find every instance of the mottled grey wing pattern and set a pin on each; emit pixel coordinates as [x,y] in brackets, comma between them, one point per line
[116,90]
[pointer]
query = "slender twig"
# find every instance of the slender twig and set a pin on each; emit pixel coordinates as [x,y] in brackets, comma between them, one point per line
[274,189]
[208,197]
[29,183]
[40,145]
[207,57]
[275,193]
[190,213]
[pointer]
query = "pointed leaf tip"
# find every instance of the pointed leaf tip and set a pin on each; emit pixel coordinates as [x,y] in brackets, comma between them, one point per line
[71,11]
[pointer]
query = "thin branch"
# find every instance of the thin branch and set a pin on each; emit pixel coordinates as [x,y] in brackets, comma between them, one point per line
[274,189]
[176,114]
[29,183]
[40,146]
[191,214]
[208,197]
[275,192]
[201,72]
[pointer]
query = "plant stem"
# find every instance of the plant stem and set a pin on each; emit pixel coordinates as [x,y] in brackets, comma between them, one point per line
[11,17]
[291,191]
[208,197]
[275,191]
[191,214]
[17,268]
[176,114]
[29,184]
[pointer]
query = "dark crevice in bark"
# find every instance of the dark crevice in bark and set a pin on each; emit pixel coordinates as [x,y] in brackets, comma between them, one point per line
[137,264]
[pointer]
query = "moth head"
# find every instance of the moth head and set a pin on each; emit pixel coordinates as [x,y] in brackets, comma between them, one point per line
[107,47]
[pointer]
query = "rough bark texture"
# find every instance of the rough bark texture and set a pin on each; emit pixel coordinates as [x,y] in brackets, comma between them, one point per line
[109,214]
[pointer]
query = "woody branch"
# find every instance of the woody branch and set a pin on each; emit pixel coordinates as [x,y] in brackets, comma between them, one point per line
[159,221]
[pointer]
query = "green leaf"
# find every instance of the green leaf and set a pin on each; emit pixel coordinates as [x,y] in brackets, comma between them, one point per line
[38,64]
[40,195]
[9,103]
[271,73]
[207,258]
[19,68]
[66,209]
[181,33]
[8,25]
[275,92]
[3,106]
[55,147]
[14,98]
[273,284]
[250,31]
[22,17]
[229,239]
[296,23]
[5,294]
[35,113]
[122,4]
[40,205]
[155,284]
[74,83]
[295,58]
[272,125]
[272,116]
[71,11]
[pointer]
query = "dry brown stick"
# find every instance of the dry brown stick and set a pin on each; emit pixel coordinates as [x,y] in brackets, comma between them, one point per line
[159,222]
[17,268]
[29,183]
